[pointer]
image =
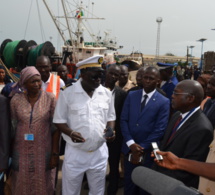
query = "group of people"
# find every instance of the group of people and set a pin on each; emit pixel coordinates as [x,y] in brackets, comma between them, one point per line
[99,122]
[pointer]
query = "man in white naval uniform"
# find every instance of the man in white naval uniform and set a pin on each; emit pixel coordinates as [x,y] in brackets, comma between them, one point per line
[83,112]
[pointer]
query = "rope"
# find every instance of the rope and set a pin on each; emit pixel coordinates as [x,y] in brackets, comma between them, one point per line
[28,19]
[12,76]
[41,25]
[9,54]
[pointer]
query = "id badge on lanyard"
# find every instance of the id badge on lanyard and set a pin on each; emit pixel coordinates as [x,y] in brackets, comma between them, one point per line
[29,137]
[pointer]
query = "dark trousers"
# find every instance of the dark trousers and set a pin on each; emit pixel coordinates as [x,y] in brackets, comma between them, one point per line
[2,186]
[114,149]
[129,187]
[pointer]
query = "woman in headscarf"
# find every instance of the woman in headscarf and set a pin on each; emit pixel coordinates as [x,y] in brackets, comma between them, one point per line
[32,154]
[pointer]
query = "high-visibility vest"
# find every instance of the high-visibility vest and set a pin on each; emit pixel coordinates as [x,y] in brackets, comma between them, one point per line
[54,85]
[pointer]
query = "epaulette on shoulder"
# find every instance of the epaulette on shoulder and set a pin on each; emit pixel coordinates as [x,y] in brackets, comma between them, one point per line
[68,85]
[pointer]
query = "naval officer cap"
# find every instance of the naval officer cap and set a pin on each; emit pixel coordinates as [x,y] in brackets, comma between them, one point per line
[163,66]
[93,62]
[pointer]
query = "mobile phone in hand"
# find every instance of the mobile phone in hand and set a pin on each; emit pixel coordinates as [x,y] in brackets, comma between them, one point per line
[109,132]
[155,149]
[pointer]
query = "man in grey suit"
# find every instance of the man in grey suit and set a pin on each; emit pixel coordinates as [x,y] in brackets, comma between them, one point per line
[189,131]
[4,137]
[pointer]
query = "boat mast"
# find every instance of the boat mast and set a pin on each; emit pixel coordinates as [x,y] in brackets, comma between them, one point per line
[67,21]
[55,21]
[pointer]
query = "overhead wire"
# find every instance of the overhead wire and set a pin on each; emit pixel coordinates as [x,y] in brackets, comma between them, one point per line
[40,21]
[28,18]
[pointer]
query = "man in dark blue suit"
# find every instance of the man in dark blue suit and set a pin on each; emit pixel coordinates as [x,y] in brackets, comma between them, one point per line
[143,120]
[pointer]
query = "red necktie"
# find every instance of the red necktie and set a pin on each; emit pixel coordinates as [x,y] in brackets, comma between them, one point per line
[174,129]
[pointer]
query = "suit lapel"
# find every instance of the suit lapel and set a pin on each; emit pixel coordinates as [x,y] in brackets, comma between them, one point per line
[169,129]
[185,126]
[150,103]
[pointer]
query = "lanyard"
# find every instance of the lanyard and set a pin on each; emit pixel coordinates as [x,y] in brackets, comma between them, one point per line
[188,114]
[32,109]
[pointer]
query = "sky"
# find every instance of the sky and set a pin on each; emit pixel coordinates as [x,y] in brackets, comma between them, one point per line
[133,22]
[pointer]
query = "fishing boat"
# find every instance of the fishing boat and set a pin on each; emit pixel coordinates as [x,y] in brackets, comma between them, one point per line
[74,27]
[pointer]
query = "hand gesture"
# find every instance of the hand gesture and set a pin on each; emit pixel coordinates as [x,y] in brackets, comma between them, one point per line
[76,137]
[170,161]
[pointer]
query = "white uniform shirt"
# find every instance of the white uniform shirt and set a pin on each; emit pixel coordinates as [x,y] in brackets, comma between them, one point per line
[45,85]
[85,115]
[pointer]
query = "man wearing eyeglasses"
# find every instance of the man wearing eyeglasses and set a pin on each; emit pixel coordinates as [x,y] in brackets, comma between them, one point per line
[83,112]
[189,132]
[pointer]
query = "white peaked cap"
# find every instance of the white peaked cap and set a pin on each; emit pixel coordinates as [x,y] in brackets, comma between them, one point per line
[94,61]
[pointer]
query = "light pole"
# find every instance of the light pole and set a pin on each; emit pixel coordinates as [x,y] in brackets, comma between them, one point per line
[187,53]
[201,40]
[158,20]
[191,53]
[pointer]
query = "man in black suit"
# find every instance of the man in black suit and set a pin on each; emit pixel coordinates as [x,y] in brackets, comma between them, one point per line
[209,107]
[114,147]
[4,137]
[189,137]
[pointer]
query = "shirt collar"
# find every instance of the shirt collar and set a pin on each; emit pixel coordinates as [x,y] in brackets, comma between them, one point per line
[149,94]
[183,115]
[48,81]
[79,89]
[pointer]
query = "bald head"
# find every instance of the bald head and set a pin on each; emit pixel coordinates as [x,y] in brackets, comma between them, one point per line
[123,78]
[187,95]
[42,59]
[114,67]
[123,68]
[154,70]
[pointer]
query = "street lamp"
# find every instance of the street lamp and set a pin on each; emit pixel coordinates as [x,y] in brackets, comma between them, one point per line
[191,54]
[201,40]
[191,47]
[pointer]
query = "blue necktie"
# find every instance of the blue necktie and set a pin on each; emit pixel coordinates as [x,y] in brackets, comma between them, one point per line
[144,102]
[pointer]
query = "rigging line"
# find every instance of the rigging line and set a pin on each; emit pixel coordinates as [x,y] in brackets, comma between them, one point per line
[74,5]
[28,18]
[88,8]
[89,33]
[58,34]
[41,25]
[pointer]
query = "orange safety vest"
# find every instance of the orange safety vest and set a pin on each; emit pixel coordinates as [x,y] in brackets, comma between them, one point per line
[54,85]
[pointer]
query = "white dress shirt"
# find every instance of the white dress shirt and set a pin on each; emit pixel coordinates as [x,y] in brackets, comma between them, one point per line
[84,114]
[45,85]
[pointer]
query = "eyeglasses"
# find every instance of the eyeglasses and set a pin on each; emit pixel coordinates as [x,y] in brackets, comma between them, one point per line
[175,93]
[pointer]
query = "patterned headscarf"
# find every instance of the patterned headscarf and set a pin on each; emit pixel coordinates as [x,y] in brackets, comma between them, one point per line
[25,74]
